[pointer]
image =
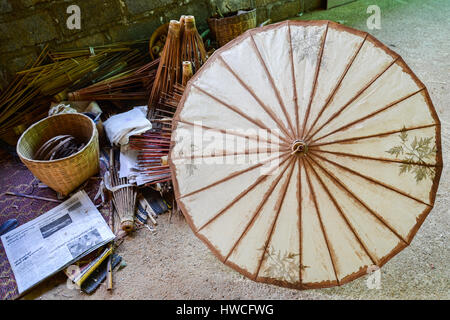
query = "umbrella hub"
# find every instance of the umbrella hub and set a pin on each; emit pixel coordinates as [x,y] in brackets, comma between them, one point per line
[299,147]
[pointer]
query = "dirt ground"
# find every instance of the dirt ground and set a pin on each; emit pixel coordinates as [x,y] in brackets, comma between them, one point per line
[173,264]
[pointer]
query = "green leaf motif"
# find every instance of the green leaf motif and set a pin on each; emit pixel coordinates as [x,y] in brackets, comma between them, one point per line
[281,265]
[396,151]
[416,153]
[403,134]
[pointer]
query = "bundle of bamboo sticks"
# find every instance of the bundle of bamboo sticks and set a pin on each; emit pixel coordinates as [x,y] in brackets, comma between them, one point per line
[124,198]
[20,103]
[63,54]
[53,74]
[153,149]
[131,85]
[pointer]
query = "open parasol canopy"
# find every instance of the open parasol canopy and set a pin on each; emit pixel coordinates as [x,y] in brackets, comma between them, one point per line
[304,153]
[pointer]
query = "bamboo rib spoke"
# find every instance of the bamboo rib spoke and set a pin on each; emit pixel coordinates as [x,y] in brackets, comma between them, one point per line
[311,146]
[294,87]
[390,105]
[371,180]
[376,215]
[260,102]
[300,233]
[221,154]
[242,114]
[258,210]
[335,89]
[321,223]
[334,115]
[274,87]
[316,75]
[239,196]
[231,133]
[375,159]
[339,209]
[235,174]
[278,209]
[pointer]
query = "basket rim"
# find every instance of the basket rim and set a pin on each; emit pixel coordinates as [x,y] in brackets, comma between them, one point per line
[217,18]
[61,159]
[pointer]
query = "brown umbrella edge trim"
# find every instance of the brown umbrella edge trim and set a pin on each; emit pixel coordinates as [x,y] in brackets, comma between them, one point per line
[363,270]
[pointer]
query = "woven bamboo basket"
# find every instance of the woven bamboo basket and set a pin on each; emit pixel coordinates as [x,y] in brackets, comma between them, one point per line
[161,30]
[232,25]
[66,174]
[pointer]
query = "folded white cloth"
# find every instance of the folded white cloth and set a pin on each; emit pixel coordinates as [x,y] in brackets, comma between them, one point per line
[123,125]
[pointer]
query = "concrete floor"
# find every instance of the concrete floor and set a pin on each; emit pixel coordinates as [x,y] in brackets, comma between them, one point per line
[174,264]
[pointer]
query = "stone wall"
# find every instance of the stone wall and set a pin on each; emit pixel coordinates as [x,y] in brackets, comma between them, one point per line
[27,25]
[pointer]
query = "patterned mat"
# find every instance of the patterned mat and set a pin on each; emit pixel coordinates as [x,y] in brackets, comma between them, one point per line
[15,177]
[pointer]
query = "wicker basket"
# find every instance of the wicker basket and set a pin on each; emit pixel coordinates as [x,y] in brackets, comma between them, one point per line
[162,29]
[66,174]
[227,28]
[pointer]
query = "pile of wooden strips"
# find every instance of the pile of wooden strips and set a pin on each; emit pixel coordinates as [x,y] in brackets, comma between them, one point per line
[64,54]
[153,149]
[53,74]
[20,103]
[130,85]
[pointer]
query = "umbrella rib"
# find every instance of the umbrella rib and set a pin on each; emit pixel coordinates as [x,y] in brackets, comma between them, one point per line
[370,115]
[338,85]
[258,210]
[372,180]
[377,216]
[334,115]
[227,131]
[300,233]
[233,175]
[242,114]
[336,205]
[266,109]
[321,223]
[314,85]
[376,159]
[277,214]
[240,196]
[291,54]
[311,146]
[272,83]
[237,153]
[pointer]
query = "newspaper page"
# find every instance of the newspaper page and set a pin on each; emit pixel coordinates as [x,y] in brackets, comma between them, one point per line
[54,240]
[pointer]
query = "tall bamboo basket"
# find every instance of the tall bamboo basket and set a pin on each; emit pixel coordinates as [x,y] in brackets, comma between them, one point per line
[66,174]
[229,27]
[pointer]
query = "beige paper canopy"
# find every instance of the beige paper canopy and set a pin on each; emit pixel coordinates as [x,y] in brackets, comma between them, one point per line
[355,136]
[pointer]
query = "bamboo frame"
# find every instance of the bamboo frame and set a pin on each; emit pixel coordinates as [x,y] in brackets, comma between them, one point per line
[313,165]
